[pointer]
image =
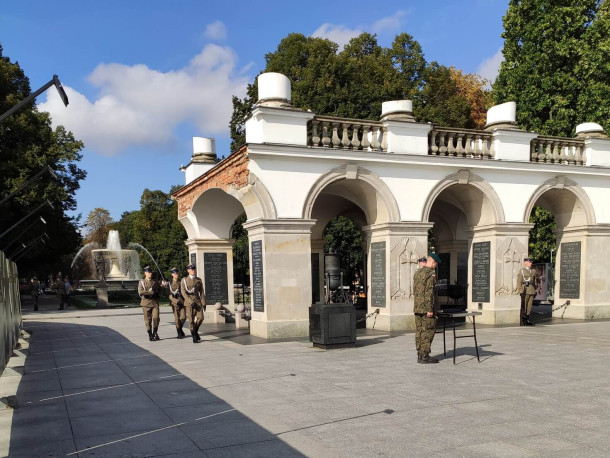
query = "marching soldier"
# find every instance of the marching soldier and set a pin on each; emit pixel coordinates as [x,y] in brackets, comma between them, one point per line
[35,291]
[191,288]
[177,301]
[424,309]
[148,290]
[527,283]
[60,290]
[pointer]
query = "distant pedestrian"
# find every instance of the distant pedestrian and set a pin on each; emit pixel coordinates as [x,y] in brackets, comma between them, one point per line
[191,288]
[424,308]
[148,290]
[68,288]
[527,284]
[35,291]
[60,290]
[176,301]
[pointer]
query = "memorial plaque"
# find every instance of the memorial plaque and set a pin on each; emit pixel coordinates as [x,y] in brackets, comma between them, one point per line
[215,275]
[569,271]
[315,278]
[193,259]
[480,271]
[378,274]
[258,297]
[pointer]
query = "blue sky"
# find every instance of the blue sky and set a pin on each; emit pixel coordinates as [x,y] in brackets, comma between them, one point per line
[144,77]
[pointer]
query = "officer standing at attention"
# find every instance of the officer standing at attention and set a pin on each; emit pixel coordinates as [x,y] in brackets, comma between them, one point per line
[148,290]
[423,308]
[527,283]
[177,301]
[60,290]
[191,288]
[35,291]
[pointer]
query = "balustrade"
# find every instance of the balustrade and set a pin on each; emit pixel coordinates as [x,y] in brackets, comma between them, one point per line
[348,134]
[464,143]
[558,150]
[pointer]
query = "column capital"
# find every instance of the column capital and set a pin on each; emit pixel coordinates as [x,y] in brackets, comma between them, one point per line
[507,229]
[403,227]
[209,244]
[279,226]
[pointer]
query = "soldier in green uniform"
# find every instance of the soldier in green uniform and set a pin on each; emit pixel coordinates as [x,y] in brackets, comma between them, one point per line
[148,290]
[176,301]
[191,288]
[35,291]
[527,284]
[423,308]
[60,290]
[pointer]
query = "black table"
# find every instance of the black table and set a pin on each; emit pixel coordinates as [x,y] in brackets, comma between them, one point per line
[453,314]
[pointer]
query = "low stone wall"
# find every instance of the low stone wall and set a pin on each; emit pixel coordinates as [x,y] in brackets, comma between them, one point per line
[10,309]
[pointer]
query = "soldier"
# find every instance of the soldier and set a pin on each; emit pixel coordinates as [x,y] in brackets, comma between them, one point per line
[424,308]
[35,291]
[148,290]
[191,288]
[177,301]
[527,283]
[421,262]
[60,290]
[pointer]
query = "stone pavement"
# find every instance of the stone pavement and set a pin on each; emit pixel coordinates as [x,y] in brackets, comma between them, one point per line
[93,385]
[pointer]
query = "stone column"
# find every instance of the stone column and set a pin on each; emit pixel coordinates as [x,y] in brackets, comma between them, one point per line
[317,271]
[214,260]
[280,273]
[392,253]
[496,254]
[581,272]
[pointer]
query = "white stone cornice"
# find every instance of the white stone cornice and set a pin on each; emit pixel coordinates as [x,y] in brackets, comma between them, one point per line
[279,226]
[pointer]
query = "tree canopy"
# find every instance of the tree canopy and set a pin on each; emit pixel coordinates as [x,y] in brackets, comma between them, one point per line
[355,81]
[28,143]
[556,64]
[97,225]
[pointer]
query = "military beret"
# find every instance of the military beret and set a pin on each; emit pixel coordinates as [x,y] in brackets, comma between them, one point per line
[436,257]
[147,269]
[528,260]
[424,259]
[191,266]
[174,270]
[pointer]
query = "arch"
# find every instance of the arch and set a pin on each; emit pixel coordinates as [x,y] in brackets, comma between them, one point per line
[465,177]
[255,198]
[561,183]
[353,172]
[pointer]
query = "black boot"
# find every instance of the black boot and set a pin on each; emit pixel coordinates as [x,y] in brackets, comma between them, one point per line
[151,337]
[427,359]
[155,335]
[194,336]
[197,335]
[419,358]
[528,322]
[179,331]
[523,321]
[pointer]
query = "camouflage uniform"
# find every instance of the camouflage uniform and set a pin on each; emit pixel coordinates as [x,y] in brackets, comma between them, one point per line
[425,326]
[527,276]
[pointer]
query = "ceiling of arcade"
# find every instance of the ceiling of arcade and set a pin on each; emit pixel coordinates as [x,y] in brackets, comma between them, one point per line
[328,206]
[565,206]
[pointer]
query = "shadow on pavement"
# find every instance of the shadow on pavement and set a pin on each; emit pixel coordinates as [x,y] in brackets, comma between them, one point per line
[89,391]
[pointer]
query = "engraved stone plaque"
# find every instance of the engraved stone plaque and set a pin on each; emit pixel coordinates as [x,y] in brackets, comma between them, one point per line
[378,274]
[216,281]
[569,270]
[480,271]
[258,297]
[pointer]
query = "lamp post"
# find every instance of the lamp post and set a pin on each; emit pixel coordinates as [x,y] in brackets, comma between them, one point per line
[54,82]
[26,217]
[40,218]
[39,239]
[35,177]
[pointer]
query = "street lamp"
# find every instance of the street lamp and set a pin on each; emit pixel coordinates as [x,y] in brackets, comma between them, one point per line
[25,246]
[26,217]
[54,82]
[35,177]
[40,218]
[39,239]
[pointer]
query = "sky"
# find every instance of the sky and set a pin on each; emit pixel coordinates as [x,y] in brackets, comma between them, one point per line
[145,77]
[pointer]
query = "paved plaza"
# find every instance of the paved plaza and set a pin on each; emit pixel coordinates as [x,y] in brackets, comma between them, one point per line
[93,385]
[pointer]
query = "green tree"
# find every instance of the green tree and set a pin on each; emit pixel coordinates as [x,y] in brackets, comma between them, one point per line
[241,251]
[97,225]
[156,227]
[125,227]
[545,46]
[28,143]
[542,239]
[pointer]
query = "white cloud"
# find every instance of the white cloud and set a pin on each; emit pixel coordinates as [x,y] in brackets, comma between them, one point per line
[215,31]
[340,34]
[490,67]
[138,106]
[389,24]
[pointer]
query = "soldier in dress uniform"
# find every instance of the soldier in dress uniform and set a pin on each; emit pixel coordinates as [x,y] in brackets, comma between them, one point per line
[177,301]
[60,290]
[148,290]
[191,288]
[35,291]
[424,308]
[527,284]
